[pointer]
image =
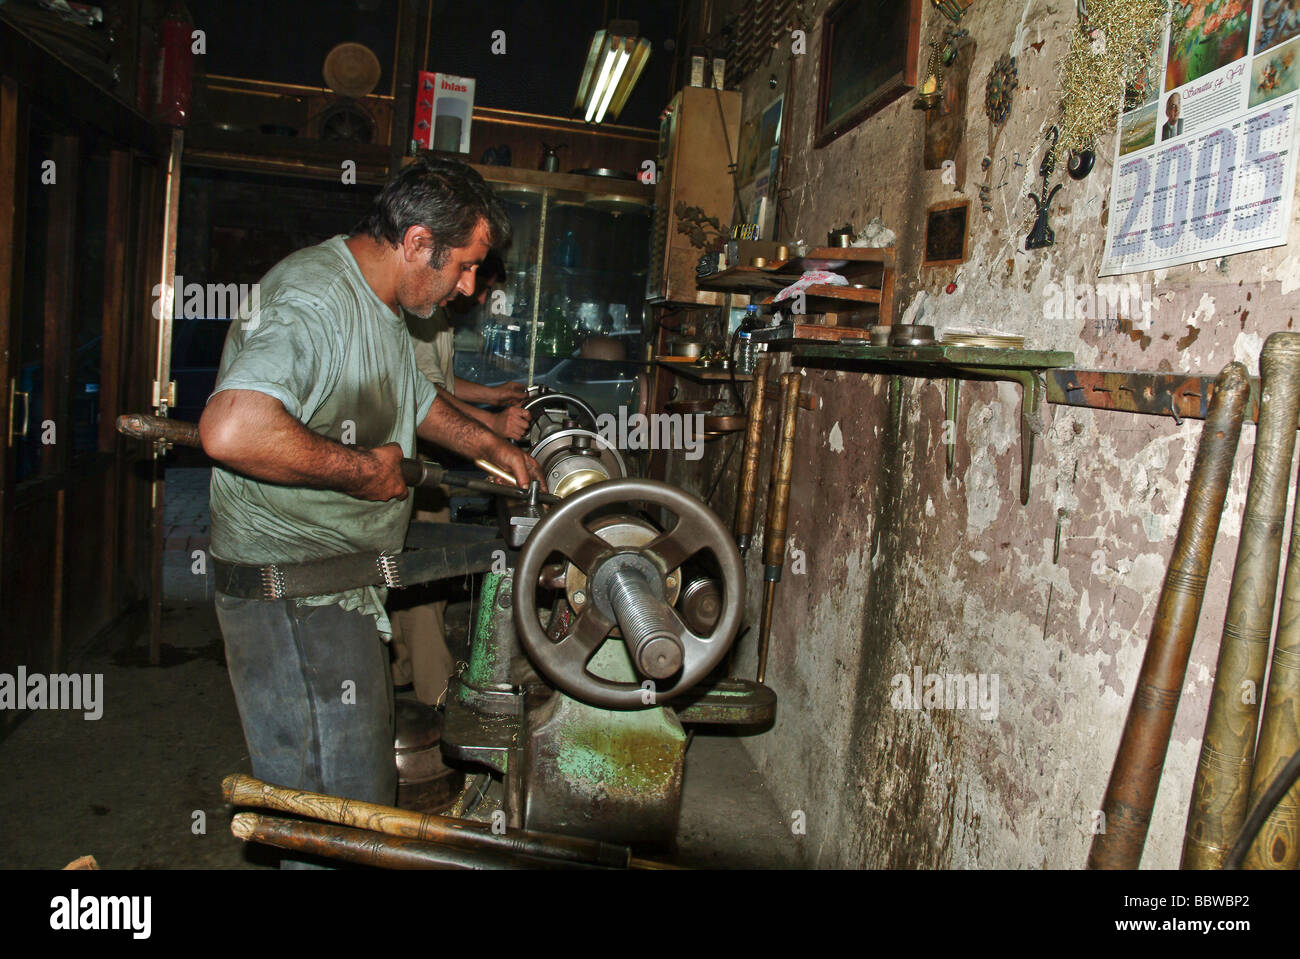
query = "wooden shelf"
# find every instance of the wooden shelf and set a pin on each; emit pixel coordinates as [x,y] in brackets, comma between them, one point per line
[702,374]
[852,263]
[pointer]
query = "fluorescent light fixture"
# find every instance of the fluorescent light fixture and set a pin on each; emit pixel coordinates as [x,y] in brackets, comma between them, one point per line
[614,64]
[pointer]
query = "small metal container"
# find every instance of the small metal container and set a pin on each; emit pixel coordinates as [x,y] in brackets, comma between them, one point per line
[880,335]
[907,334]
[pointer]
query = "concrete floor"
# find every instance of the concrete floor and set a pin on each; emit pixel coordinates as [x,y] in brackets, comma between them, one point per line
[141,786]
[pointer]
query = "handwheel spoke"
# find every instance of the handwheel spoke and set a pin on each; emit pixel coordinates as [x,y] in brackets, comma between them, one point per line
[586,634]
[581,546]
[678,545]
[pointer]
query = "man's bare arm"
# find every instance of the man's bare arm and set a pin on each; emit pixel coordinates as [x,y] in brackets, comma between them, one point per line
[462,404]
[502,395]
[448,427]
[253,434]
[511,422]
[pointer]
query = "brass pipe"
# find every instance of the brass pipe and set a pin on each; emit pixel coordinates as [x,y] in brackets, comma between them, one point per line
[744,525]
[778,512]
[1135,778]
[1278,844]
[1222,786]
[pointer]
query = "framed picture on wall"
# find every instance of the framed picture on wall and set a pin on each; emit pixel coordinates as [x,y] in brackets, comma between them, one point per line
[870,52]
[947,236]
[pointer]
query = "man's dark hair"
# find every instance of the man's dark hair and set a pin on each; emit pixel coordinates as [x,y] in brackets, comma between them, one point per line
[492,269]
[447,197]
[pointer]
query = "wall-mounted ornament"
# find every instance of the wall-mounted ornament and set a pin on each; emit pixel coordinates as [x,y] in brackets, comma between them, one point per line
[999,91]
[945,127]
[930,94]
[1041,234]
[952,38]
[1112,60]
[1080,163]
[952,9]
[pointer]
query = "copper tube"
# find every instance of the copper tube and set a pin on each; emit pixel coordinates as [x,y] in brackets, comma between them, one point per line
[1140,760]
[778,506]
[1222,786]
[1278,844]
[241,790]
[364,847]
[778,511]
[744,525]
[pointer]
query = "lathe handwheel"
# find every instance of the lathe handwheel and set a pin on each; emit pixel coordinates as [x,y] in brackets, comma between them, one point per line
[574,409]
[563,531]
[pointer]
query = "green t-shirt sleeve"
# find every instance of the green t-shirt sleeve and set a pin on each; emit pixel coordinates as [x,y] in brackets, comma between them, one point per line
[286,351]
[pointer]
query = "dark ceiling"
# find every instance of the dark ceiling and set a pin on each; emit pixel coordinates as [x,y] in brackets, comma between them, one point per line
[546,44]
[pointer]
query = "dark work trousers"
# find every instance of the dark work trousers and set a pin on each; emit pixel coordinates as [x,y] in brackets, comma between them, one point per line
[315,696]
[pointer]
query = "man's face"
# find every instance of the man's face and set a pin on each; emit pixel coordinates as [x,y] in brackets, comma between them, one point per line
[1171,109]
[422,288]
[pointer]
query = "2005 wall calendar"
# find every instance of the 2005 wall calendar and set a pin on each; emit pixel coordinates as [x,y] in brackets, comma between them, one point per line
[1205,160]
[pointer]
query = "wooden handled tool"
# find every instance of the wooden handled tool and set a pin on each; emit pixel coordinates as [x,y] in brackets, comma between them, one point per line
[240,790]
[366,848]
[1135,778]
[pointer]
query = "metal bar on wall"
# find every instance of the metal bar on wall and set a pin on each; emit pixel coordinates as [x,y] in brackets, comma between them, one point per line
[1178,395]
[166,297]
[537,286]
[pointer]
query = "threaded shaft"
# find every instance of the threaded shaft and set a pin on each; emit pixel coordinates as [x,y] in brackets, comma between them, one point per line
[646,625]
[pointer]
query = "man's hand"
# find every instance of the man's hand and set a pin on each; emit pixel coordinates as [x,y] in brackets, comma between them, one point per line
[383,481]
[512,422]
[507,393]
[516,462]
[448,427]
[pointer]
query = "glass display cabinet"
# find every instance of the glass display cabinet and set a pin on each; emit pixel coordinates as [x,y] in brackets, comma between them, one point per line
[569,313]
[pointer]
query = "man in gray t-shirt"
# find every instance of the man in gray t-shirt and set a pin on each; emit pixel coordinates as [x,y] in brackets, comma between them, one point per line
[318,399]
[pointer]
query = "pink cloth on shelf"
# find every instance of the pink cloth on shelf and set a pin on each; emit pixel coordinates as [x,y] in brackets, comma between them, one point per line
[811,278]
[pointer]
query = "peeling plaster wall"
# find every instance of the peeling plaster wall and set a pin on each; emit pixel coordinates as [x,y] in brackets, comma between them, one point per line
[908,570]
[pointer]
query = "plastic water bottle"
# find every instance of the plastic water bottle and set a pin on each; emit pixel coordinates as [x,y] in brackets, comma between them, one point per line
[745,360]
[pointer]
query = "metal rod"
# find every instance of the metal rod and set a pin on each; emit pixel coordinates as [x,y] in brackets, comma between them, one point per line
[1140,760]
[1277,845]
[950,427]
[366,848]
[744,525]
[1223,774]
[778,512]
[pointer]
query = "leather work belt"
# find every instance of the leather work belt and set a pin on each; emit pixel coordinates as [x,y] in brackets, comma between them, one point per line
[443,551]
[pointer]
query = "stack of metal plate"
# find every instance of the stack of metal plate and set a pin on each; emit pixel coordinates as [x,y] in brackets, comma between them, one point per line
[993,341]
